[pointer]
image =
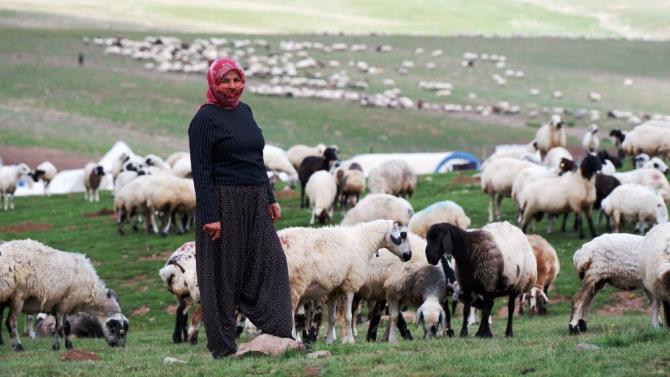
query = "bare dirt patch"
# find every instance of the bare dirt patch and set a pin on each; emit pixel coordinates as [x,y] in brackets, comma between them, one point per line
[35,155]
[171,309]
[138,280]
[626,302]
[26,226]
[141,311]
[77,354]
[465,180]
[161,256]
[286,194]
[101,212]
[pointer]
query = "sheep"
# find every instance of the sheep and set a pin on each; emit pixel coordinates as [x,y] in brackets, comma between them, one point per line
[555,155]
[298,152]
[182,168]
[571,192]
[321,190]
[526,152]
[551,135]
[179,278]
[311,164]
[126,177]
[649,177]
[93,174]
[123,161]
[176,156]
[609,258]
[169,195]
[380,206]
[9,178]
[498,178]
[605,156]
[654,270]
[656,163]
[36,278]
[350,184]
[548,268]
[156,165]
[651,140]
[441,212]
[130,202]
[276,160]
[605,184]
[334,260]
[494,261]
[590,141]
[647,206]
[46,171]
[393,177]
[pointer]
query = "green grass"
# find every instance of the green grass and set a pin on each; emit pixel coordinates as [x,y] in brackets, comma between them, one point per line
[628,345]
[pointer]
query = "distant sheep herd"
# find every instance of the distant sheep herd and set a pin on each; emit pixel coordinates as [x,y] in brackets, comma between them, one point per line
[383,252]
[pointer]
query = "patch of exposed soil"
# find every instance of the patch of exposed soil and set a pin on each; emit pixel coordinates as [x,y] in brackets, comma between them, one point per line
[286,194]
[311,371]
[77,354]
[466,180]
[101,212]
[161,256]
[33,156]
[627,301]
[141,311]
[137,280]
[25,226]
[171,309]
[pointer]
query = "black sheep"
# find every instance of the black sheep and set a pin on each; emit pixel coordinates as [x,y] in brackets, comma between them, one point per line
[312,164]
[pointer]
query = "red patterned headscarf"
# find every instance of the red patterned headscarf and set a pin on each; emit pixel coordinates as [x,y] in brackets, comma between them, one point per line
[224,95]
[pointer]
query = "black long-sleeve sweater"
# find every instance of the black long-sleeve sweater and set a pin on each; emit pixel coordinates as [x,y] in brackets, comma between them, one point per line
[226,149]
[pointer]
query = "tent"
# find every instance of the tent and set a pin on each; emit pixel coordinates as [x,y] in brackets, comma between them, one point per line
[422,163]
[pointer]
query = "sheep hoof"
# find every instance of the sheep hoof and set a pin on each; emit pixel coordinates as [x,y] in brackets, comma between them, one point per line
[163,234]
[176,338]
[574,330]
[464,334]
[55,346]
[582,325]
[68,344]
[193,340]
[17,347]
[509,334]
[238,331]
[484,334]
[450,333]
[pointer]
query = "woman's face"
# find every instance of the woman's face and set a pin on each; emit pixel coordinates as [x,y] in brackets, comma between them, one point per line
[230,83]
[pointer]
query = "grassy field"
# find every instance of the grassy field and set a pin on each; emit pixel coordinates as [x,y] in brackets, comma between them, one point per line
[130,264]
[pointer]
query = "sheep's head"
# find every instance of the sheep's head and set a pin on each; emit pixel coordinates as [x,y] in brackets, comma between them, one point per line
[330,154]
[657,164]
[99,171]
[557,122]
[114,324]
[566,165]
[618,135]
[439,237]
[594,128]
[432,317]
[396,241]
[590,166]
[37,174]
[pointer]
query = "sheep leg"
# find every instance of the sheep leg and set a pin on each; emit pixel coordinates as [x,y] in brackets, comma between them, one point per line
[484,327]
[581,304]
[177,336]
[499,206]
[550,224]
[466,315]
[55,345]
[393,320]
[565,219]
[510,314]
[196,320]
[28,327]
[447,314]
[315,319]
[166,221]
[491,198]
[355,313]
[2,314]
[589,220]
[121,217]
[67,330]
[300,319]
[348,318]
[332,303]
[578,220]
[375,316]
[402,327]
[654,312]
[15,307]
[302,195]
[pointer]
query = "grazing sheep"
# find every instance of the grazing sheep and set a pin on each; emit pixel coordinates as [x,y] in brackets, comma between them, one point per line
[298,152]
[551,135]
[555,156]
[350,184]
[649,177]
[651,140]
[494,261]
[393,177]
[571,192]
[9,178]
[654,270]
[590,141]
[498,178]
[548,268]
[441,212]
[35,278]
[380,206]
[321,190]
[276,160]
[311,164]
[646,208]
[610,258]
[93,174]
[333,261]
[170,196]
[46,171]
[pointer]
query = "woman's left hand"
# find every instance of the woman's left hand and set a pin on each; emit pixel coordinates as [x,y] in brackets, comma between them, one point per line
[275,211]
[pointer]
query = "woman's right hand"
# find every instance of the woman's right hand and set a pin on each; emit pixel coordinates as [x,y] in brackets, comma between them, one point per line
[213,229]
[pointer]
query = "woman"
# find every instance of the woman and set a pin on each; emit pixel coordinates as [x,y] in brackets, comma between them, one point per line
[240,264]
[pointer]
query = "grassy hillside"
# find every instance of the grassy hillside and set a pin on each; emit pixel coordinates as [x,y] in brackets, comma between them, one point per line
[130,264]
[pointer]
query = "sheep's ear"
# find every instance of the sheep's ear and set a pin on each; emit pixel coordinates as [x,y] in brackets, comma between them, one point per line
[447,244]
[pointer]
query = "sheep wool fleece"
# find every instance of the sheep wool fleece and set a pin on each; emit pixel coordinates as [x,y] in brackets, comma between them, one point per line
[245,269]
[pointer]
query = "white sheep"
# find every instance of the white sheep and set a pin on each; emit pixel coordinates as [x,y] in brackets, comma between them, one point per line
[649,177]
[646,208]
[393,177]
[331,261]
[170,196]
[9,178]
[130,202]
[276,160]
[35,278]
[46,171]
[441,212]
[155,165]
[494,261]
[182,168]
[93,174]
[590,141]
[609,258]
[555,156]
[126,161]
[298,152]
[654,141]
[497,180]
[380,206]
[176,156]
[654,270]
[656,163]
[551,135]
[525,152]
[321,191]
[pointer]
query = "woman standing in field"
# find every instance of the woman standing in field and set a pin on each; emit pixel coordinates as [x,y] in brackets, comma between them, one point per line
[240,262]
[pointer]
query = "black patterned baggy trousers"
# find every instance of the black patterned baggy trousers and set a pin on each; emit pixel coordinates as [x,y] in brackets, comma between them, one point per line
[245,269]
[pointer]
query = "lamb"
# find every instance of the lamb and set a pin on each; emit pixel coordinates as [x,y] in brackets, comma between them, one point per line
[93,174]
[9,178]
[393,177]
[334,261]
[494,261]
[46,171]
[654,270]
[179,278]
[555,155]
[571,192]
[550,135]
[498,178]
[276,160]
[610,258]
[441,212]
[321,191]
[590,141]
[35,278]
[350,184]
[380,206]
[298,152]
[548,268]
[647,206]
[649,177]
[651,140]
[312,164]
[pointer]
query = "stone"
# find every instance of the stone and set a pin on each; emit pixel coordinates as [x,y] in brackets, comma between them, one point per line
[587,347]
[319,355]
[172,360]
[269,345]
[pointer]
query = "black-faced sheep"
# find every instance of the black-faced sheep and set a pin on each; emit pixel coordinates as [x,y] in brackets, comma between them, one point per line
[93,174]
[46,171]
[551,135]
[312,164]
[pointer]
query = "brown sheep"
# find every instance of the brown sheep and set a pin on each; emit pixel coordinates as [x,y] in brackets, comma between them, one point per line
[548,267]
